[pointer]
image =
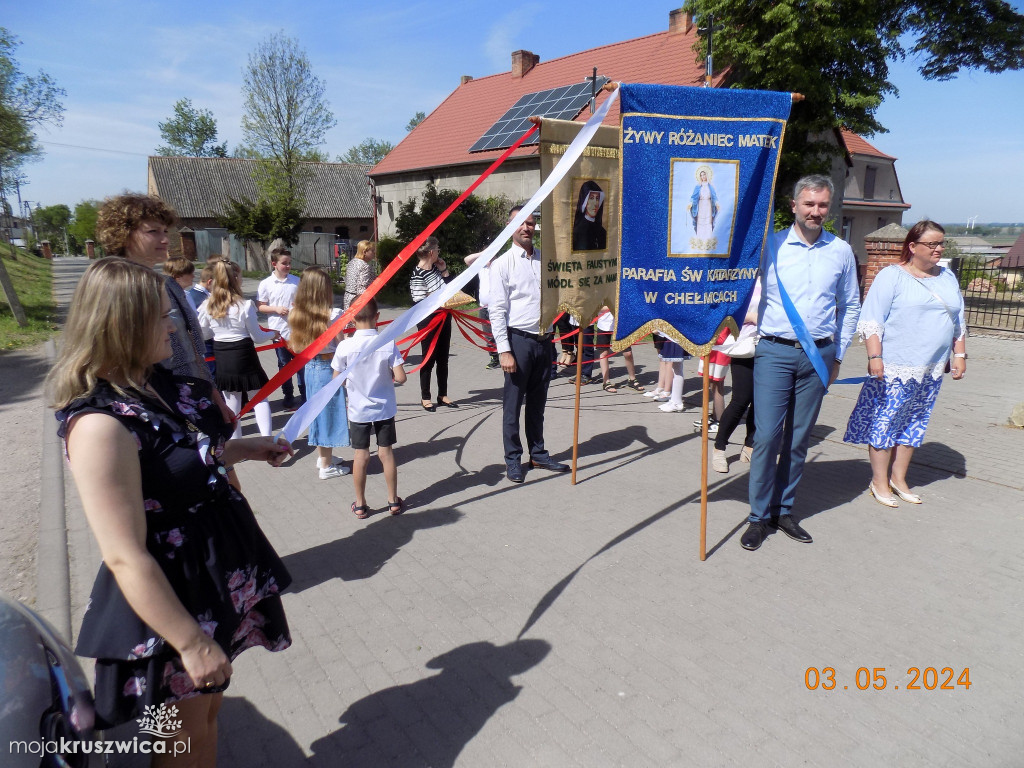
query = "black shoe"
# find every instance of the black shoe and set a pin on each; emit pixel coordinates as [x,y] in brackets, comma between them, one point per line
[493,363]
[789,526]
[753,537]
[288,403]
[514,472]
[448,403]
[552,466]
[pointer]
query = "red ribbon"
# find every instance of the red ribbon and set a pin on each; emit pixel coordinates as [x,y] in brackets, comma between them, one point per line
[303,357]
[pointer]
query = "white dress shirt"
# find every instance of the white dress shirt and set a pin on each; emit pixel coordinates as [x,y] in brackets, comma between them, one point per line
[239,323]
[514,295]
[278,293]
[370,384]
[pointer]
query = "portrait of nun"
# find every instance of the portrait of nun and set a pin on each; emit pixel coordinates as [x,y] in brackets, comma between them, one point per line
[588,232]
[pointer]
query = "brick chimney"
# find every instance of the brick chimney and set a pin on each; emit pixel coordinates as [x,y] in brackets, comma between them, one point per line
[884,247]
[679,21]
[523,62]
[465,79]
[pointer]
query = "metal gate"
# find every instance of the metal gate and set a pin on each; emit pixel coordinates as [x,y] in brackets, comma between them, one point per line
[993,296]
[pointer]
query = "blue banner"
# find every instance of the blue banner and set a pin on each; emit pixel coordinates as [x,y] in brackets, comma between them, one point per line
[698,175]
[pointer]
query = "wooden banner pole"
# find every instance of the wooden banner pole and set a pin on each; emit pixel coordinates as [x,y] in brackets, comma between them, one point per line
[704,459]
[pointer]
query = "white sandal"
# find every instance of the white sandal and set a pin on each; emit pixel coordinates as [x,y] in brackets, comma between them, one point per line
[907,496]
[885,501]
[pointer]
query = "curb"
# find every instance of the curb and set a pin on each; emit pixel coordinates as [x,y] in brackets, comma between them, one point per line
[53,578]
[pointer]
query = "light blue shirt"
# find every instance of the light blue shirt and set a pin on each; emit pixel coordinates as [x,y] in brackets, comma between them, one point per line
[917,319]
[821,281]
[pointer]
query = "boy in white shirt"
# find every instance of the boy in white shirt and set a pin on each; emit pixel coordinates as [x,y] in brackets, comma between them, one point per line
[274,298]
[372,406]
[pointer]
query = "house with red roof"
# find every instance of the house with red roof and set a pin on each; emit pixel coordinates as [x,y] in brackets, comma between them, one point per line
[437,151]
[1012,264]
[872,197]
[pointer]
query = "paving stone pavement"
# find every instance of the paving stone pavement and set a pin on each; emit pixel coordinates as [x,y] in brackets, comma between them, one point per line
[557,625]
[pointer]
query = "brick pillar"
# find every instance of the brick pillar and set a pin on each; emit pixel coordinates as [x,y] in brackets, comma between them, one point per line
[47,253]
[90,249]
[884,247]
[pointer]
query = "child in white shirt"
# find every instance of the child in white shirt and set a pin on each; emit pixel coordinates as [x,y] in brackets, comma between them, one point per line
[372,406]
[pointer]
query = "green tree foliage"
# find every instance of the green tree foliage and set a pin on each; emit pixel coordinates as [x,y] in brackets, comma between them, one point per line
[469,229]
[83,226]
[26,103]
[837,55]
[415,120]
[51,223]
[264,220]
[286,114]
[367,152]
[190,132]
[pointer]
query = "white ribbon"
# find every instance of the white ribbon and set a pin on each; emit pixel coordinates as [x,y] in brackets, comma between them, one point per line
[303,417]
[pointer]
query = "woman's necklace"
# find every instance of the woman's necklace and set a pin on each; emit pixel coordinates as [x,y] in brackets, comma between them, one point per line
[917,272]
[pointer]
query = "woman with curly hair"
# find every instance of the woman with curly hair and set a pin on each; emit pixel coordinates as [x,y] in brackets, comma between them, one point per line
[188,580]
[312,312]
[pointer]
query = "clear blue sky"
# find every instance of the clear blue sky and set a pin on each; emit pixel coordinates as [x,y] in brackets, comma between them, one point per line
[124,63]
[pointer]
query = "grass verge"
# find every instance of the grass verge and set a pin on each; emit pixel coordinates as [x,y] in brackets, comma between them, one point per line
[33,283]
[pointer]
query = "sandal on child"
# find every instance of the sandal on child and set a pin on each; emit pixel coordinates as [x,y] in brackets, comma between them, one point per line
[609,387]
[635,385]
[362,512]
[396,507]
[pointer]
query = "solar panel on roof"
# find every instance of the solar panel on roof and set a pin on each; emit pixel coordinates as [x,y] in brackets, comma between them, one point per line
[562,103]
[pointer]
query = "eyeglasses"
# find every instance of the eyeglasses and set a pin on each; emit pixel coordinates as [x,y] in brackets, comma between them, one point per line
[934,245]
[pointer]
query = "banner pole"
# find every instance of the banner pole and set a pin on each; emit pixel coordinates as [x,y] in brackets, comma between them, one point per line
[576,418]
[704,459]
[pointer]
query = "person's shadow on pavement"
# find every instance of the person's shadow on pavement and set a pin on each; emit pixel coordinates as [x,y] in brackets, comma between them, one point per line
[365,552]
[430,721]
[247,737]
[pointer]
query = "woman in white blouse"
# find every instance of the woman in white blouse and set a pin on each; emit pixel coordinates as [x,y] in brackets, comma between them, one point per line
[230,320]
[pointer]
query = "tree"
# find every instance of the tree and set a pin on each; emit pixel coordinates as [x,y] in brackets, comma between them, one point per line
[83,226]
[367,152]
[264,220]
[470,228]
[51,222]
[415,120]
[26,102]
[837,55]
[190,132]
[286,114]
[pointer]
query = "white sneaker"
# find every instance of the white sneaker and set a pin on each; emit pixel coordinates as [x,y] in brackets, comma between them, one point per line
[671,407]
[655,393]
[719,462]
[333,470]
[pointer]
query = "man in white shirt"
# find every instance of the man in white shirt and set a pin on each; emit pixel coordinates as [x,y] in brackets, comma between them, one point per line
[525,353]
[274,298]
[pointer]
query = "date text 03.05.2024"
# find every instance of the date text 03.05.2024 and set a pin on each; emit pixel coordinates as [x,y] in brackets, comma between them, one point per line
[874,678]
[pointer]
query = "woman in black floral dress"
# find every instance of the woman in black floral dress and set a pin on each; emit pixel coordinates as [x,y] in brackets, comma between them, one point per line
[188,580]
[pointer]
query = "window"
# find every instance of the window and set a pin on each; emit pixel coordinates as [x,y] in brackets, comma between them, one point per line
[318,229]
[847,228]
[869,182]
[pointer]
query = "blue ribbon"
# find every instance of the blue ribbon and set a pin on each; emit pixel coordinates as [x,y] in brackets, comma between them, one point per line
[799,327]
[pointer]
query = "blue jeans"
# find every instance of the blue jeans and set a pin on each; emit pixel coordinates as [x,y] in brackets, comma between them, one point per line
[284,356]
[787,398]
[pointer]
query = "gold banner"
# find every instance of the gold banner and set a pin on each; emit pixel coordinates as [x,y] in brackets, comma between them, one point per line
[579,224]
